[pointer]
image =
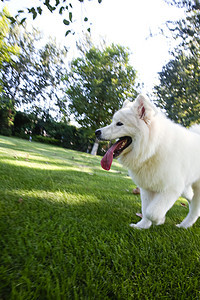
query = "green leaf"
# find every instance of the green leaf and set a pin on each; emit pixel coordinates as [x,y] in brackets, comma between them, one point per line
[67,32]
[85,19]
[89,30]
[20,11]
[12,20]
[33,12]
[34,15]
[70,16]
[47,2]
[39,9]
[66,22]
[61,10]
[22,21]
[51,8]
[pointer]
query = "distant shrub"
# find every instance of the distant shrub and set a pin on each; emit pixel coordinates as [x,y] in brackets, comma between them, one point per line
[22,135]
[47,130]
[46,140]
[7,115]
[5,131]
[22,124]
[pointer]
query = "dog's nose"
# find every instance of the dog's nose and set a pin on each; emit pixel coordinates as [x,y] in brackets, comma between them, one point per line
[98,133]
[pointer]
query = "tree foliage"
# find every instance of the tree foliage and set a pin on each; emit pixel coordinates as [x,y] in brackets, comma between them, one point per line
[188,4]
[63,7]
[98,83]
[34,77]
[7,114]
[7,51]
[179,90]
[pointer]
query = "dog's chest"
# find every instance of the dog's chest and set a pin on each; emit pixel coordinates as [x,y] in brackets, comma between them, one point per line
[150,175]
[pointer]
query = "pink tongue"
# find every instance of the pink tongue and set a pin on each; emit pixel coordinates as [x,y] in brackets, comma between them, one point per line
[106,161]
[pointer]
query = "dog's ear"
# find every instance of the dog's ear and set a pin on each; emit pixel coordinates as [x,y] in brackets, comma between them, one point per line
[145,109]
[126,103]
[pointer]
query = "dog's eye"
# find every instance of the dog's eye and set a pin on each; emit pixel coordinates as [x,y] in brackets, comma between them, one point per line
[119,124]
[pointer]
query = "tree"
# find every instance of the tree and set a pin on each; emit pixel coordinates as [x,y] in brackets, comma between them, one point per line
[98,83]
[179,90]
[188,29]
[7,51]
[59,6]
[188,4]
[35,76]
[7,114]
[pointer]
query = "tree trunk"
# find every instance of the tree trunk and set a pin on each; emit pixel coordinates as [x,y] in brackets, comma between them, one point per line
[95,147]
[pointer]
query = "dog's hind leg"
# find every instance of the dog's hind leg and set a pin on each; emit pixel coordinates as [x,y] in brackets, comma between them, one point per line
[188,193]
[194,208]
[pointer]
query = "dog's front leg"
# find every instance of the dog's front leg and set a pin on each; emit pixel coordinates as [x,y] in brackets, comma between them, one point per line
[146,199]
[155,207]
[160,204]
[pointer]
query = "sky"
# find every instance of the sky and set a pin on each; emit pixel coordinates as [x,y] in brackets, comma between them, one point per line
[125,22]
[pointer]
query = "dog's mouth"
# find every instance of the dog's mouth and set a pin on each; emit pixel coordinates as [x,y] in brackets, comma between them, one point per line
[114,151]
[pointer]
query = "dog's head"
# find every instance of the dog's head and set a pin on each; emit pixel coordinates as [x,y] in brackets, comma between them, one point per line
[127,124]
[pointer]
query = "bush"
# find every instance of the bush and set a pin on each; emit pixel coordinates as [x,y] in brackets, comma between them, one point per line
[46,140]
[22,123]
[56,133]
[22,135]
[5,131]
[67,134]
[84,140]
[7,115]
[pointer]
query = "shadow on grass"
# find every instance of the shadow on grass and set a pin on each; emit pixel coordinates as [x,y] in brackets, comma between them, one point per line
[65,235]
[59,230]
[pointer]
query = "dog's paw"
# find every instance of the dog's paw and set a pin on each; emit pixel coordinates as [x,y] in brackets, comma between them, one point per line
[134,226]
[183,225]
[178,225]
[143,224]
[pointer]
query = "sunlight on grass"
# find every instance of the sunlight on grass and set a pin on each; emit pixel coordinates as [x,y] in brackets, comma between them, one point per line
[65,197]
[65,232]
[8,142]
[25,162]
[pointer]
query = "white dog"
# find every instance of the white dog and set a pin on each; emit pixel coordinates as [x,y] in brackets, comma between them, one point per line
[163,159]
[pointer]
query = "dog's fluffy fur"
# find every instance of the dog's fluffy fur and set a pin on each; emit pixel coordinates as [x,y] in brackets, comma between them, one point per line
[163,159]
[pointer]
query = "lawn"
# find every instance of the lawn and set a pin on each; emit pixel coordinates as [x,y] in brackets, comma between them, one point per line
[65,232]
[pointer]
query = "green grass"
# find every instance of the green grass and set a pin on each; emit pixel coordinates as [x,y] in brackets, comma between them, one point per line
[65,232]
